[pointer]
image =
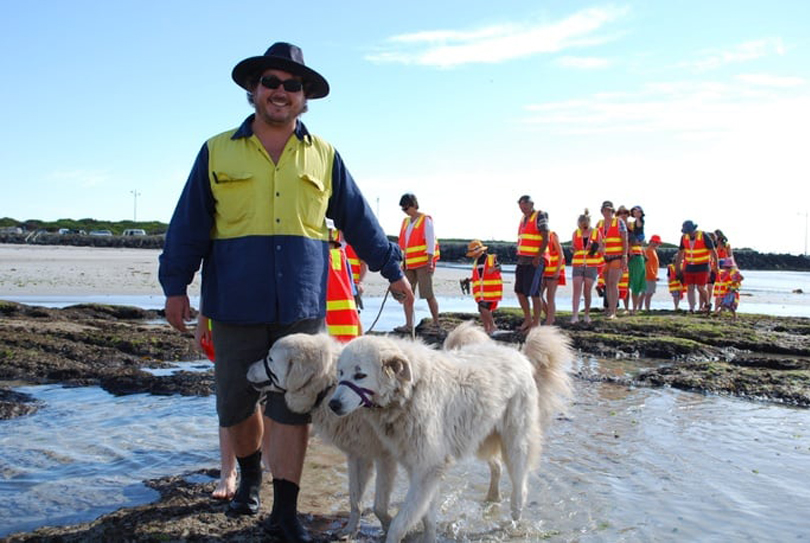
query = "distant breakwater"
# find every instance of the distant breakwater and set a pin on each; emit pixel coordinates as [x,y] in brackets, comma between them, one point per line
[452,250]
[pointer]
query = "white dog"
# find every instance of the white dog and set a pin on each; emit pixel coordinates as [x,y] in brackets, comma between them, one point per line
[429,407]
[303,367]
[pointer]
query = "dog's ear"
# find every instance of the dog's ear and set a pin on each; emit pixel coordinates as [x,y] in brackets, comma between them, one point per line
[310,370]
[399,367]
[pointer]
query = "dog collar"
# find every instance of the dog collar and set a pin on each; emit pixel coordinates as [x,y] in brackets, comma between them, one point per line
[364,393]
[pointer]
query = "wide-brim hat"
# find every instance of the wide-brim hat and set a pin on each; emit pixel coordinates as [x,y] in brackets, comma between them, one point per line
[607,204]
[475,248]
[656,239]
[688,227]
[281,56]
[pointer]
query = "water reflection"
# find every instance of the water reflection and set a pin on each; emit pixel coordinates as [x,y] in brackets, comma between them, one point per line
[625,464]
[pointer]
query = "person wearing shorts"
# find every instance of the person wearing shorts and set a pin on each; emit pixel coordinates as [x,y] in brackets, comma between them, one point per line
[418,242]
[695,259]
[531,260]
[261,237]
[585,261]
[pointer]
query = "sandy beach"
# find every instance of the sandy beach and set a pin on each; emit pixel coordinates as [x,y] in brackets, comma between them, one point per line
[66,270]
[41,270]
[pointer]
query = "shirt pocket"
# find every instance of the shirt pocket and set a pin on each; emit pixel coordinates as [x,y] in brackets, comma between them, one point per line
[312,201]
[234,196]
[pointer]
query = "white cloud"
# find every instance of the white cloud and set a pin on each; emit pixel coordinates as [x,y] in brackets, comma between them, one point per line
[498,43]
[583,63]
[743,52]
[689,110]
[767,80]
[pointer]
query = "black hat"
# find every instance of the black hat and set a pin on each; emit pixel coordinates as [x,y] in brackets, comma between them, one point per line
[281,56]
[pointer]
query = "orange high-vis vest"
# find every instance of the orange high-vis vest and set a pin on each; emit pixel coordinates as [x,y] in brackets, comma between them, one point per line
[674,284]
[721,283]
[416,254]
[581,258]
[553,259]
[612,238]
[354,262]
[529,237]
[695,252]
[489,286]
[342,319]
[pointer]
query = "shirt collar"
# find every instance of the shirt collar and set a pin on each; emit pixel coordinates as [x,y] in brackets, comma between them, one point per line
[245,130]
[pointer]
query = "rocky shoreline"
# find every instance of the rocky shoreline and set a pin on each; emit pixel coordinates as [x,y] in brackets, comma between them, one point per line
[756,357]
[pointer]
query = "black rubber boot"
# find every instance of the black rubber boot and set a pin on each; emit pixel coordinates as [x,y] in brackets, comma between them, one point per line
[246,501]
[283,522]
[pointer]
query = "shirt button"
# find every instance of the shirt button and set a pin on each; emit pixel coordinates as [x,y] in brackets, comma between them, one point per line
[278,247]
[278,220]
[278,194]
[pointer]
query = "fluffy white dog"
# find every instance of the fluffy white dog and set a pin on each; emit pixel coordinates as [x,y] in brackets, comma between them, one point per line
[303,367]
[429,407]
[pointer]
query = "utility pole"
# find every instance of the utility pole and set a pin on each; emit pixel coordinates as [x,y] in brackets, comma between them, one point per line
[135,195]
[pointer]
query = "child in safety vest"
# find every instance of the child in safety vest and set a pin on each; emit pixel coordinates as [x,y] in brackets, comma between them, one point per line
[730,300]
[342,317]
[486,283]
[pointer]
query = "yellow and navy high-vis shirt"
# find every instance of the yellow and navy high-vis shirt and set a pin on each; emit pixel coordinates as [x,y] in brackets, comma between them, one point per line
[259,228]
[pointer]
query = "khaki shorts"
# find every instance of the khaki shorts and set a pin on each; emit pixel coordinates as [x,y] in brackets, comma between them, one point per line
[423,278]
[239,346]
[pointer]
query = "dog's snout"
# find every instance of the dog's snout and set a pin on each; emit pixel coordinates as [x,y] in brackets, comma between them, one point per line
[336,406]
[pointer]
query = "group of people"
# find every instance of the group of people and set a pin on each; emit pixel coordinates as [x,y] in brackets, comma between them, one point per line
[614,256]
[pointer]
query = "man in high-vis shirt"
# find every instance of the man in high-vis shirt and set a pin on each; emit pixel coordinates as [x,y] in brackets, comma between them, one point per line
[254,211]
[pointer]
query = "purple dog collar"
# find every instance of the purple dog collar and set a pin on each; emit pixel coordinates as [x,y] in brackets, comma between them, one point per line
[364,393]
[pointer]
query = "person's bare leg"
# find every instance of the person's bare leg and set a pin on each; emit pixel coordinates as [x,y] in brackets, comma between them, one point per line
[227,470]
[524,305]
[587,291]
[576,295]
[551,302]
[537,305]
[433,304]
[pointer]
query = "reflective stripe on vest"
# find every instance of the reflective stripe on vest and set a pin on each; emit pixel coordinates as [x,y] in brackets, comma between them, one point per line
[354,262]
[674,284]
[612,238]
[581,257]
[489,287]
[553,258]
[695,251]
[342,320]
[529,237]
[416,255]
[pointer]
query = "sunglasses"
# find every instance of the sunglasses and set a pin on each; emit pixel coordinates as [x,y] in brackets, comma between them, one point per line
[273,82]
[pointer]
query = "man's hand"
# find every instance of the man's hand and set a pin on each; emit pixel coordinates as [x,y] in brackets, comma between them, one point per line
[178,311]
[401,289]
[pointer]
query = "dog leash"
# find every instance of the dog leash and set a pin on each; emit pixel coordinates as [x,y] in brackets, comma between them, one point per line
[382,305]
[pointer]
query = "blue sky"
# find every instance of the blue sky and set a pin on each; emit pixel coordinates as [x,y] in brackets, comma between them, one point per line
[694,110]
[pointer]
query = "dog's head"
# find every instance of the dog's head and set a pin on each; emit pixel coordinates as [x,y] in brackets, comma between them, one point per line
[372,372]
[301,366]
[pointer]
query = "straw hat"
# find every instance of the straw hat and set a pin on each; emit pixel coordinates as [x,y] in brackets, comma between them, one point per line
[476,248]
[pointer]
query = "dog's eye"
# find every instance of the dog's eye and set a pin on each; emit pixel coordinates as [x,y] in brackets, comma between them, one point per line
[359,376]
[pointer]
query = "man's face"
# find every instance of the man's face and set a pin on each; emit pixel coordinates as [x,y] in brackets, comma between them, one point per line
[278,107]
[607,213]
[526,207]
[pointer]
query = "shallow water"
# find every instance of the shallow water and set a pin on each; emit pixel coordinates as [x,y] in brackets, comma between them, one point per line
[624,465]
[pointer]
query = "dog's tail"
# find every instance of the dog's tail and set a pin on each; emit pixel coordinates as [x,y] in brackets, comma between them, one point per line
[466,333]
[549,351]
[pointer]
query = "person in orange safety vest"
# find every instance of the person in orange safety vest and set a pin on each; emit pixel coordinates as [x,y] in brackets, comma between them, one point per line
[419,244]
[342,318]
[486,283]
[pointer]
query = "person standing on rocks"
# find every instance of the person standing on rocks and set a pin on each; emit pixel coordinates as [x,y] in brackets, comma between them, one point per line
[253,211]
[695,259]
[531,260]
